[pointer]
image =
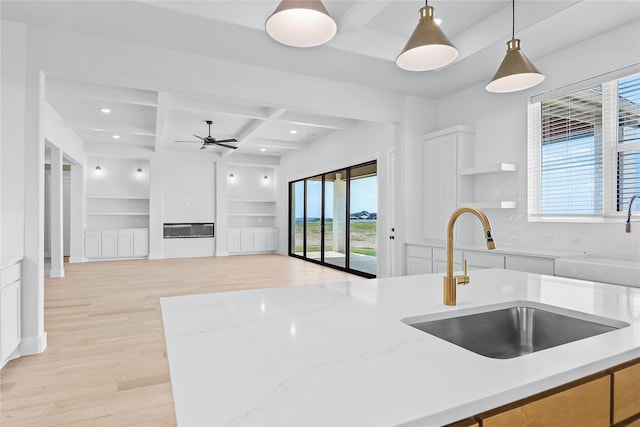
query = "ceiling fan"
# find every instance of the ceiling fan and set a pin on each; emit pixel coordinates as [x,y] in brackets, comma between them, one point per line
[209,140]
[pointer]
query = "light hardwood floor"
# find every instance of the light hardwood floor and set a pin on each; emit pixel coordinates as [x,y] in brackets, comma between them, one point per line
[106,364]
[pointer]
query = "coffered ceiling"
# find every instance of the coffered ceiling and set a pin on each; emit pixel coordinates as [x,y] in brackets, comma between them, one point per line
[371,33]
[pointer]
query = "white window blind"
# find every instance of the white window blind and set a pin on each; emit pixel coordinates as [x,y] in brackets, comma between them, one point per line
[584,151]
[628,182]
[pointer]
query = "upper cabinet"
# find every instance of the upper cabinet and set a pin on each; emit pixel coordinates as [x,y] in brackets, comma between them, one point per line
[445,154]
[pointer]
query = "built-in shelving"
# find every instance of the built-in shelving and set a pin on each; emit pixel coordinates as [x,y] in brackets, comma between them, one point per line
[251,212]
[489,169]
[117,211]
[498,204]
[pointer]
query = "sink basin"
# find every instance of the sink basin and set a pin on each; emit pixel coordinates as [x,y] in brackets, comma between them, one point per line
[508,330]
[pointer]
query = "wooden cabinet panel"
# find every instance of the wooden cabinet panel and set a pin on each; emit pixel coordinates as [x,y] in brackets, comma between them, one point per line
[272,239]
[92,244]
[233,240]
[626,392]
[587,404]
[141,242]
[259,240]
[246,240]
[469,422]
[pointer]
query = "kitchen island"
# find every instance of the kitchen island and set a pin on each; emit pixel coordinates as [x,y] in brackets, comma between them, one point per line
[339,354]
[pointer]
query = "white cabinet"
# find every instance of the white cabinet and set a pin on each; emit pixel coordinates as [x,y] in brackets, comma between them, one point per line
[444,153]
[140,242]
[125,243]
[121,243]
[530,264]
[233,240]
[486,259]
[109,244]
[92,243]
[259,240]
[419,260]
[252,240]
[10,334]
[272,239]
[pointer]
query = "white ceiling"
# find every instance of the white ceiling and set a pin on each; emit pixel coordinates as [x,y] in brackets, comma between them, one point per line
[371,33]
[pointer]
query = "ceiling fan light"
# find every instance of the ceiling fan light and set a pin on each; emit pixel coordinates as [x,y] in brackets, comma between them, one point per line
[301,23]
[516,72]
[428,48]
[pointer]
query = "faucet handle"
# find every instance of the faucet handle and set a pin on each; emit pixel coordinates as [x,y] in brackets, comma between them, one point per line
[464,279]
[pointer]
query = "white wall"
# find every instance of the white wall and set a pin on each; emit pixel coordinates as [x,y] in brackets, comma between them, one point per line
[188,195]
[500,122]
[12,85]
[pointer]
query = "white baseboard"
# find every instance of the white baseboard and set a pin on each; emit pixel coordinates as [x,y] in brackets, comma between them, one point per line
[222,253]
[73,259]
[33,345]
[56,273]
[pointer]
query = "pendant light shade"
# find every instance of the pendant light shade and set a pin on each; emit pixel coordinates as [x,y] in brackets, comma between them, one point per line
[516,72]
[428,47]
[301,23]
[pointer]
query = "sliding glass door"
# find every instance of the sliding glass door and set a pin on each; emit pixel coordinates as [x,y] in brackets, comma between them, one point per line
[333,219]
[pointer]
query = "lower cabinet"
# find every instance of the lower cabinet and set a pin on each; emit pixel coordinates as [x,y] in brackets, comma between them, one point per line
[252,240]
[10,300]
[121,243]
[604,399]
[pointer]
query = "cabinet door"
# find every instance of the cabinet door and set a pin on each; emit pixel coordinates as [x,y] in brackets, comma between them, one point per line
[440,181]
[233,240]
[259,240]
[626,392]
[272,239]
[9,319]
[417,265]
[585,405]
[530,264]
[246,240]
[109,244]
[125,243]
[92,244]
[140,242]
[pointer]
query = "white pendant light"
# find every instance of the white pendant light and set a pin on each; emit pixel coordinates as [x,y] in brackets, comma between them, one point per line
[301,23]
[516,72]
[428,48]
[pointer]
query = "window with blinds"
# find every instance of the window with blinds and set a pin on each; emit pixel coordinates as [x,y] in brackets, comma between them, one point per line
[584,151]
[628,142]
[571,166]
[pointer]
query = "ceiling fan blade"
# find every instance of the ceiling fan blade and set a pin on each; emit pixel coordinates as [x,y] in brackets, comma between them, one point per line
[203,147]
[225,145]
[227,140]
[199,137]
[193,142]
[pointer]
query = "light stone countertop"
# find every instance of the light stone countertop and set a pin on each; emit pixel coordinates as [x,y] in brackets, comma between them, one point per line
[339,355]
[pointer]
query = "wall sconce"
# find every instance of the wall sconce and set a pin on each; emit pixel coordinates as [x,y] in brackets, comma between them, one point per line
[139,171]
[98,169]
[232,177]
[265,179]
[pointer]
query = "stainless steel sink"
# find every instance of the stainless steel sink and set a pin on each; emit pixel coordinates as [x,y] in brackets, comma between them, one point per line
[513,329]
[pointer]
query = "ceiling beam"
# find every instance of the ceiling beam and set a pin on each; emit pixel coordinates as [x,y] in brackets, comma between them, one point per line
[327,122]
[204,106]
[252,128]
[103,93]
[119,129]
[276,144]
[359,14]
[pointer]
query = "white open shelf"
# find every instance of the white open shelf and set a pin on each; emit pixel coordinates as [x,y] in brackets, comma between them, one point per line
[489,169]
[251,214]
[251,201]
[498,204]
[118,213]
[96,196]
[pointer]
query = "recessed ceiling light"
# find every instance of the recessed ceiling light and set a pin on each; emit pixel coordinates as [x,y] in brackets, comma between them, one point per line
[263,149]
[105,110]
[116,136]
[293,131]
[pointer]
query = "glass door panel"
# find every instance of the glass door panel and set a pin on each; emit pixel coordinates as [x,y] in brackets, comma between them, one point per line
[335,218]
[313,221]
[363,208]
[296,232]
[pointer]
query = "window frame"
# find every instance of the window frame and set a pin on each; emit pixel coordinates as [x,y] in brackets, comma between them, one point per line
[610,150]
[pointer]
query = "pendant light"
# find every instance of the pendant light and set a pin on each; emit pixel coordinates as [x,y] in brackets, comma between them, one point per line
[428,48]
[301,23]
[516,72]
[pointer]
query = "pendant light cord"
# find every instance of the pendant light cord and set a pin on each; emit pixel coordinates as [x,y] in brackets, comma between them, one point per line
[513,19]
